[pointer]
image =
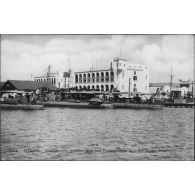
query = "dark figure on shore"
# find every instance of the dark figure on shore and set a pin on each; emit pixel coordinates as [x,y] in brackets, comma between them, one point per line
[171,100]
[137,99]
[151,99]
[28,98]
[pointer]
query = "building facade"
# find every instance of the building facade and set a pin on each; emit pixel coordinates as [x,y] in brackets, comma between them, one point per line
[121,76]
[58,79]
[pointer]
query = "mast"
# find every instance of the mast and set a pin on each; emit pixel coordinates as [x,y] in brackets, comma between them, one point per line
[171,81]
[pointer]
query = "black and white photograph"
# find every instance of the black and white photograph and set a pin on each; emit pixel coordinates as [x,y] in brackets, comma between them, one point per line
[97,97]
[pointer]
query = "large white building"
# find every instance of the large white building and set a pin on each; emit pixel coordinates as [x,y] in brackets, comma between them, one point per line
[121,75]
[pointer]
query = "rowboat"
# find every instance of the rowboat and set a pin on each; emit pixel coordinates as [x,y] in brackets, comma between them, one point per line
[21,107]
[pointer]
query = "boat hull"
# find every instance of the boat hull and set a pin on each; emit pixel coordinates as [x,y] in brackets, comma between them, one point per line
[75,105]
[21,107]
[137,106]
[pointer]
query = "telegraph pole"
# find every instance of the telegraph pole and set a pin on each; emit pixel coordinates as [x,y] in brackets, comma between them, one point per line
[48,74]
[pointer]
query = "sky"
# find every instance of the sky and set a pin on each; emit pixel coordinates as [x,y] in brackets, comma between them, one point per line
[23,56]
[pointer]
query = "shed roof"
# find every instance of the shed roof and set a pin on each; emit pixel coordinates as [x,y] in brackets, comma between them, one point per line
[163,84]
[30,85]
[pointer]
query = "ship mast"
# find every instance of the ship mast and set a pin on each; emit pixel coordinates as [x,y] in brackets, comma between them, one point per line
[171,81]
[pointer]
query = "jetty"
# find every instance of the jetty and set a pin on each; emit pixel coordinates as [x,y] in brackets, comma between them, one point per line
[179,105]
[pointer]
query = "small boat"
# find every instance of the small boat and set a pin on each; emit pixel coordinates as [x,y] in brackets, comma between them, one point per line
[21,107]
[95,101]
[137,106]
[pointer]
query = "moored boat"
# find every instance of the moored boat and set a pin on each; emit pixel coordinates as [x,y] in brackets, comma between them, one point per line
[21,107]
[76,105]
[137,106]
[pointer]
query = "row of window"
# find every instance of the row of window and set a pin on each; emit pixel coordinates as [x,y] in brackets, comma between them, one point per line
[52,80]
[97,87]
[94,77]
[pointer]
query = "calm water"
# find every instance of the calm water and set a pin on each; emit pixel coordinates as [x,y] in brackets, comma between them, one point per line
[110,134]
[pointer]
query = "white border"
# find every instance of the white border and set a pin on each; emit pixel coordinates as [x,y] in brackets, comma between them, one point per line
[97,178]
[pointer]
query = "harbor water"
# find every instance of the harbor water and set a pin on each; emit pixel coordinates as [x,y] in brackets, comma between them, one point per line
[96,134]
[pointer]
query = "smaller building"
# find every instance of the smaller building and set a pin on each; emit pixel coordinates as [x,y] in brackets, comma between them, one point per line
[41,90]
[187,87]
[60,79]
[184,88]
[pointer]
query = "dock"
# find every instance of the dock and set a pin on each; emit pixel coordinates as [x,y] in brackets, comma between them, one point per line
[179,105]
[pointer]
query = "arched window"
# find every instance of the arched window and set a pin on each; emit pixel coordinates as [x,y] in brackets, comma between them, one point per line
[88,76]
[107,87]
[84,78]
[93,87]
[111,87]
[112,76]
[88,87]
[84,88]
[54,81]
[76,78]
[107,77]
[80,87]
[80,78]
[93,77]
[76,88]
[97,77]
[102,87]
[97,87]
[102,77]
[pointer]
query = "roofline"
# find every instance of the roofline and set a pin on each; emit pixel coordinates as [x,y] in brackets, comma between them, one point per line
[93,71]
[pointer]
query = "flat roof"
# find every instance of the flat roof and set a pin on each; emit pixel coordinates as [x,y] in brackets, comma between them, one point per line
[93,71]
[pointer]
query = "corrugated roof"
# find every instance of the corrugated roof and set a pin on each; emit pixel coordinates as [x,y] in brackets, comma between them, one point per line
[157,84]
[31,85]
[163,84]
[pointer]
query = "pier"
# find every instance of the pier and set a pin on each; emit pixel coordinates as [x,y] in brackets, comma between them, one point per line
[179,105]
